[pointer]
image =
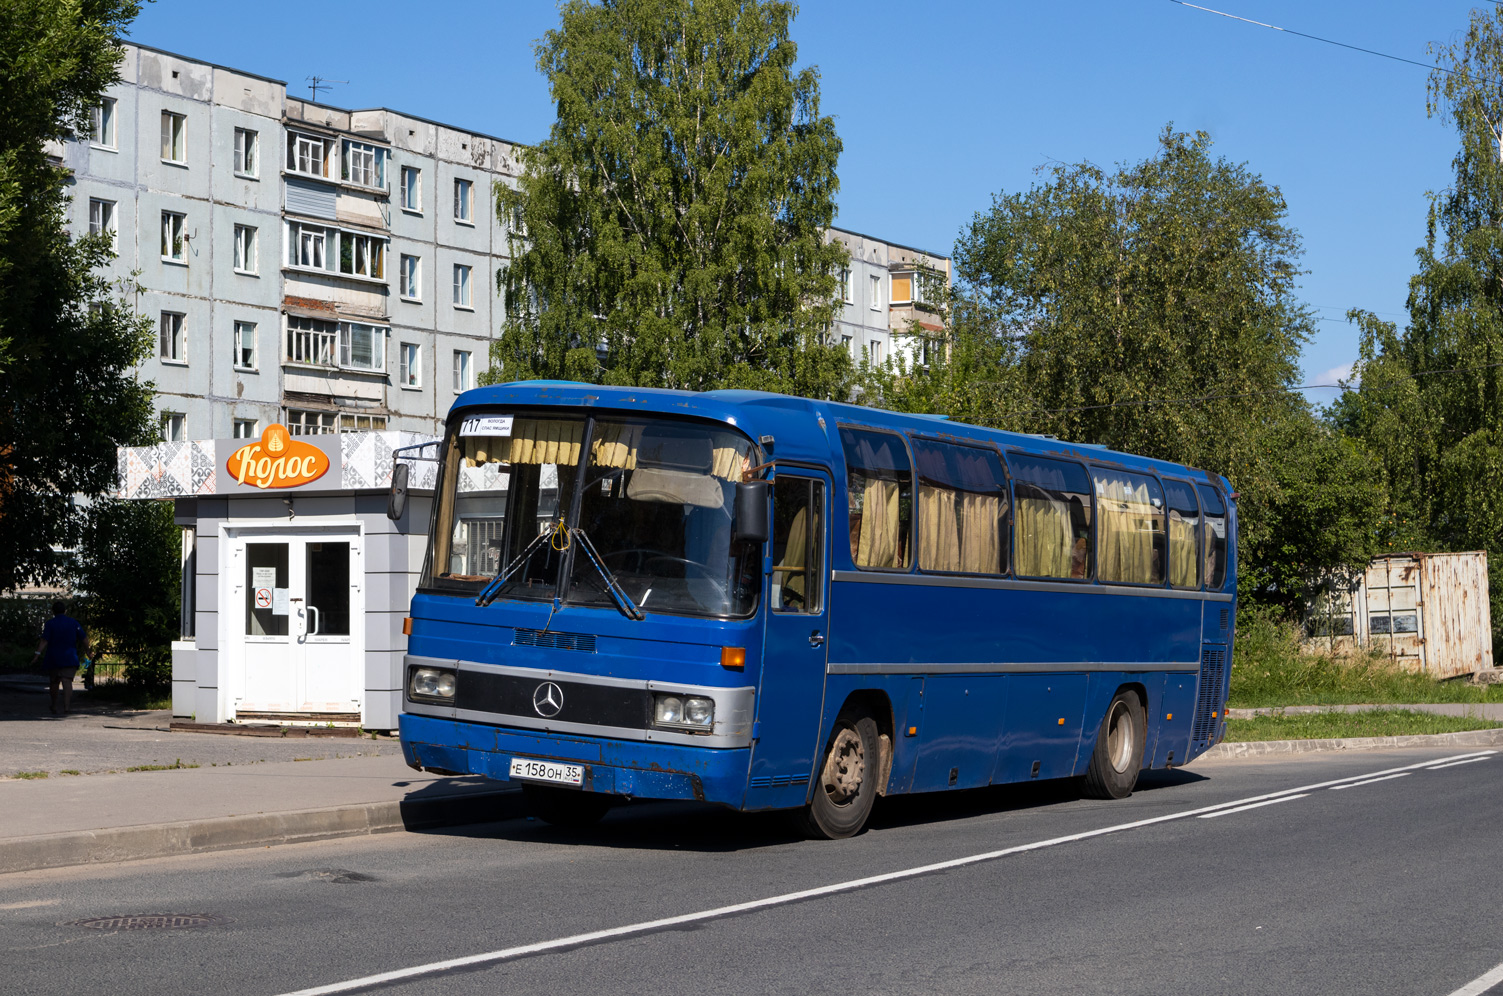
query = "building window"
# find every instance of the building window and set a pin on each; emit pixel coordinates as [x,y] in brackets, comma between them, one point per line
[173,347]
[102,125]
[247,152]
[245,345]
[410,277]
[174,427]
[174,241]
[847,287]
[306,423]
[308,155]
[245,428]
[876,351]
[902,288]
[876,293]
[409,372]
[307,245]
[462,295]
[245,249]
[362,347]
[846,343]
[311,341]
[464,201]
[102,220]
[412,188]
[463,378]
[362,255]
[173,127]
[355,422]
[363,164]
[518,223]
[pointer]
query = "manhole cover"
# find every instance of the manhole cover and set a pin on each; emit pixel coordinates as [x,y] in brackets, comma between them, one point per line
[150,921]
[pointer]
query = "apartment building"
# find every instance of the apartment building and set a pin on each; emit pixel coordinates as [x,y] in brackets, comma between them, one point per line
[890,299]
[328,269]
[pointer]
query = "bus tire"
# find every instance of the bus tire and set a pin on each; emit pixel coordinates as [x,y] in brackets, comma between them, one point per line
[846,783]
[1119,749]
[565,807]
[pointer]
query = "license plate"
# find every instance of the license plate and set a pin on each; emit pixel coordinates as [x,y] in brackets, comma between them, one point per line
[547,771]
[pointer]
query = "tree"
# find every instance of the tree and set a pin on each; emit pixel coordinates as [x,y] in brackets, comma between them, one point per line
[670,231]
[1430,400]
[1153,310]
[67,397]
[129,566]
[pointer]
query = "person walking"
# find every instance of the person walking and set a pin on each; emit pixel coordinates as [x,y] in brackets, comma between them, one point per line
[58,650]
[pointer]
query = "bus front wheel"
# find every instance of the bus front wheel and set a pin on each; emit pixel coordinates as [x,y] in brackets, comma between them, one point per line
[565,807]
[847,780]
[1119,750]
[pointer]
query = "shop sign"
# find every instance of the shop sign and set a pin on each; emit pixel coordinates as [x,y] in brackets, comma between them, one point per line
[277,461]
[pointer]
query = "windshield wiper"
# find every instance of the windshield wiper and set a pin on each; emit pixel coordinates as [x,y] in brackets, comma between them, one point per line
[612,586]
[492,589]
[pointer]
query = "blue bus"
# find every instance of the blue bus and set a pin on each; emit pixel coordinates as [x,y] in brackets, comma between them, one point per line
[768,602]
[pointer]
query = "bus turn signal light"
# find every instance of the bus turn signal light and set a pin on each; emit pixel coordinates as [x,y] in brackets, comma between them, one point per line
[733,658]
[407,626]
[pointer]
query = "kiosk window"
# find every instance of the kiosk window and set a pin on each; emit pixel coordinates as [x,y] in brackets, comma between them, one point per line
[1053,517]
[962,508]
[879,484]
[797,544]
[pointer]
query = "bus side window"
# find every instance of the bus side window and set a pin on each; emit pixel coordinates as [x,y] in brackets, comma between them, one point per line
[797,544]
[1053,517]
[1129,527]
[880,484]
[1215,516]
[1184,534]
[962,508]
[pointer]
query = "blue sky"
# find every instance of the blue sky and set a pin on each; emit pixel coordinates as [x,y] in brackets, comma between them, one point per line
[940,105]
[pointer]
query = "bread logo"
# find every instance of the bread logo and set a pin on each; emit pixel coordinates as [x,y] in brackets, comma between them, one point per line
[277,461]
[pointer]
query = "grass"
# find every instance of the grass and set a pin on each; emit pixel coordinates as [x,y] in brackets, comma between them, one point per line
[1268,669]
[1331,725]
[30,774]
[70,771]
[162,767]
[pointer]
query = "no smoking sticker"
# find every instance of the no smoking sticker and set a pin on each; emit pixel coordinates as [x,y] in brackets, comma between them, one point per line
[263,598]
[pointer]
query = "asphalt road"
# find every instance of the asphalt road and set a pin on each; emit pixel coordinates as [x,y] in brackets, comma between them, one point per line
[1385,887]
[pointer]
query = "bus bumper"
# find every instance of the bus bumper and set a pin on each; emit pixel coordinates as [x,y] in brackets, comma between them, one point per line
[614,767]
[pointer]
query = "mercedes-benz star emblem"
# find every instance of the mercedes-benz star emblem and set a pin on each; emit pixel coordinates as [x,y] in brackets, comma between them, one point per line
[548,700]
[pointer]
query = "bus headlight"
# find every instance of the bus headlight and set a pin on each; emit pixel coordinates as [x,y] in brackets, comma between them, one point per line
[430,684]
[683,712]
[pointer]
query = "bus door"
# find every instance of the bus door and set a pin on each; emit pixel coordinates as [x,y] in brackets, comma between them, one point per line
[790,700]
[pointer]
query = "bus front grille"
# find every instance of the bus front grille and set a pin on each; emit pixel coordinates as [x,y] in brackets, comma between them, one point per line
[584,642]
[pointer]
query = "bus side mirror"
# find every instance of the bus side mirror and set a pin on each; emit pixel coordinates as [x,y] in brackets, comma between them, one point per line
[397,503]
[751,512]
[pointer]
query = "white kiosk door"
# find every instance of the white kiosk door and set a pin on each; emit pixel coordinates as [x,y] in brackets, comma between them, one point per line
[302,608]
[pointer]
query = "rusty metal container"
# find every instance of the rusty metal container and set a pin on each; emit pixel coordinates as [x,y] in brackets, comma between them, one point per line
[1427,611]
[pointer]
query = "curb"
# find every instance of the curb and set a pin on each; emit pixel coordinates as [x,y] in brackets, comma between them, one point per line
[1468,738]
[87,847]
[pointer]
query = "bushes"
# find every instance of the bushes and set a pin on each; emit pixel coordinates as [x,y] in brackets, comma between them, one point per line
[129,564]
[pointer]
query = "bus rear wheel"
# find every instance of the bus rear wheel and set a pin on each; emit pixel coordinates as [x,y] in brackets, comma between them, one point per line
[1119,750]
[846,785]
[565,807]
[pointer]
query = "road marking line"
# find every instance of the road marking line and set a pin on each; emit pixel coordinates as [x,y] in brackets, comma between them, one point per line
[1481,983]
[1257,805]
[651,926]
[1452,764]
[1369,781]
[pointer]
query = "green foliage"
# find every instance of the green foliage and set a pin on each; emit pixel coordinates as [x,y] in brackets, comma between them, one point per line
[1153,310]
[675,216]
[1334,725]
[129,564]
[1430,402]
[66,349]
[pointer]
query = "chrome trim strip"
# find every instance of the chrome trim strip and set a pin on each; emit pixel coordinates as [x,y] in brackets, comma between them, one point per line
[1013,584]
[1042,667]
[734,707]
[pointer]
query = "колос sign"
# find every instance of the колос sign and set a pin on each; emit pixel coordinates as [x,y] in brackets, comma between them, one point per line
[277,461]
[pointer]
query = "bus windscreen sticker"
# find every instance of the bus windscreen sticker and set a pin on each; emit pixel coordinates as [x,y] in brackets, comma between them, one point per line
[486,425]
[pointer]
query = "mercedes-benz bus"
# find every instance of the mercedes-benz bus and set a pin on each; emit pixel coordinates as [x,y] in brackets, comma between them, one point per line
[769,602]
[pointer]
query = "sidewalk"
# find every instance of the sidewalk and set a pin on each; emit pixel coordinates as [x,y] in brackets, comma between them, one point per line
[245,792]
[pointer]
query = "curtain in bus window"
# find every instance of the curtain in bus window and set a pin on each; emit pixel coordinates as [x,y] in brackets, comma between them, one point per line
[981,528]
[962,505]
[938,530]
[1184,564]
[1053,517]
[532,441]
[1215,533]
[880,544]
[879,485]
[1044,536]
[1130,528]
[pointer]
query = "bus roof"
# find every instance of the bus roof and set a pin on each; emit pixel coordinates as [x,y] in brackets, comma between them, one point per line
[794,423]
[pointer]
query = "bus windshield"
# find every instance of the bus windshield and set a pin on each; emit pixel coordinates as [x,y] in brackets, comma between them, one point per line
[655,500]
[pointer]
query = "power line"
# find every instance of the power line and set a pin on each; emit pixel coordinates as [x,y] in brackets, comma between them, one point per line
[1339,44]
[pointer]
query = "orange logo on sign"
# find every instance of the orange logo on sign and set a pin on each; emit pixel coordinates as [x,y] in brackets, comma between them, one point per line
[277,461]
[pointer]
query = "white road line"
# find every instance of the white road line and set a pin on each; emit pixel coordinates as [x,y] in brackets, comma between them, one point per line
[1256,805]
[1384,778]
[1481,983]
[650,926]
[1452,764]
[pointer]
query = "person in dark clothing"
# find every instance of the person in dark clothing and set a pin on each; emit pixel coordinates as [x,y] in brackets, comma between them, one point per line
[58,650]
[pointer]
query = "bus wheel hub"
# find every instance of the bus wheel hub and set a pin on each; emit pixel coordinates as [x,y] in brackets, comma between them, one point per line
[845,767]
